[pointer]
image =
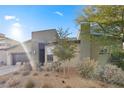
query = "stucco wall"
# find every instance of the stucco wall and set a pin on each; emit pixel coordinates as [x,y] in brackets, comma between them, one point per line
[17,49]
[85,49]
[45,36]
[3,56]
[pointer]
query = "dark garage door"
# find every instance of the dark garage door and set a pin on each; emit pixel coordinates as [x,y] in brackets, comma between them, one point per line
[19,57]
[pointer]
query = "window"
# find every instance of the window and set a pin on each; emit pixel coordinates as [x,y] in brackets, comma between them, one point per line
[49,58]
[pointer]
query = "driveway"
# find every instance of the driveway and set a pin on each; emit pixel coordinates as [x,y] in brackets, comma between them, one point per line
[8,69]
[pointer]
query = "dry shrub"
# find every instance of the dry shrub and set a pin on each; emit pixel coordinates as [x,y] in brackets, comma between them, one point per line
[111,74]
[12,82]
[35,74]
[55,66]
[56,75]
[68,86]
[26,67]
[15,73]
[2,81]
[25,73]
[46,74]
[46,85]
[87,68]
[29,84]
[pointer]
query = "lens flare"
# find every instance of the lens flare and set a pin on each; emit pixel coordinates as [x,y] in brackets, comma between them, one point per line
[16,32]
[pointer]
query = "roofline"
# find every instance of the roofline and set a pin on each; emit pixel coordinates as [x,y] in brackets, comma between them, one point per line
[45,30]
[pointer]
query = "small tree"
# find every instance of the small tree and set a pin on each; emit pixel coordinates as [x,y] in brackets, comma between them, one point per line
[107,21]
[65,48]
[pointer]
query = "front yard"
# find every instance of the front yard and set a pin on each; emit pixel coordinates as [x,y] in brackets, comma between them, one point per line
[49,79]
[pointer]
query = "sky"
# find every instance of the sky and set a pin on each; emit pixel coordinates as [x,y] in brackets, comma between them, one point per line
[17,22]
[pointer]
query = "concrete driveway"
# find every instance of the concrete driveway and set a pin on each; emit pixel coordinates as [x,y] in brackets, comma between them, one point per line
[8,69]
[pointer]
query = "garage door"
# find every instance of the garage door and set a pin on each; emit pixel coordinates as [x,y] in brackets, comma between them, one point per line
[19,57]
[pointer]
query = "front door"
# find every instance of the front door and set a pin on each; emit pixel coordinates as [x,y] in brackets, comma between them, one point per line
[42,53]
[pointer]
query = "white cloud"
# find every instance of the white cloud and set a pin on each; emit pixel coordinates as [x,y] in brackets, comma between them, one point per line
[59,13]
[17,24]
[8,17]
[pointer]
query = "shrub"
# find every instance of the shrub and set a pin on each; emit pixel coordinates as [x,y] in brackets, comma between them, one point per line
[87,68]
[111,74]
[26,67]
[25,73]
[30,84]
[15,73]
[2,81]
[119,64]
[35,74]
[46,74]
[12,82]
[54,66]
[117,58]
[68,86]
[46,85]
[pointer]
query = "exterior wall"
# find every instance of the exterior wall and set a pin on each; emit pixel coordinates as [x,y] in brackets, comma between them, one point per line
[4,44]
[85,49]
[17,49]
[45,36]
[95,49]
[35,53]
[26,47]
[3,56]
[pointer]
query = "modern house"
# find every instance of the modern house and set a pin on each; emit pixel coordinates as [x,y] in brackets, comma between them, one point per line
[38,50]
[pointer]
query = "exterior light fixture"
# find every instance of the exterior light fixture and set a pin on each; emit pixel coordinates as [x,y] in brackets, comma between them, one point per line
[34,52]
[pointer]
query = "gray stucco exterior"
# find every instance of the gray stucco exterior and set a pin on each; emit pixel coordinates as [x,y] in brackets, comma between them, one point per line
[39,50]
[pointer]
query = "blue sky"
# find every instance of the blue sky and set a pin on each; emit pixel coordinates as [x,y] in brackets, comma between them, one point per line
[17,22]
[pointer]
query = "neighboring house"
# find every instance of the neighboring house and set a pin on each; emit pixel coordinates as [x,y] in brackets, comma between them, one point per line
[5,43]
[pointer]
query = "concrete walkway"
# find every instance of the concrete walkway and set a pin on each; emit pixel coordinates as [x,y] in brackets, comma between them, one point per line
[8,69]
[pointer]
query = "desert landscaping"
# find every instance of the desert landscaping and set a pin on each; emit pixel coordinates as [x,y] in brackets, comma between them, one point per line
[24,78]
[54,58]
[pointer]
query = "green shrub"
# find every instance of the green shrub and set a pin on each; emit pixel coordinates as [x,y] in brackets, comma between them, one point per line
[111,74]
[117,58]
[87,68]
[119,64]
[30,84]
